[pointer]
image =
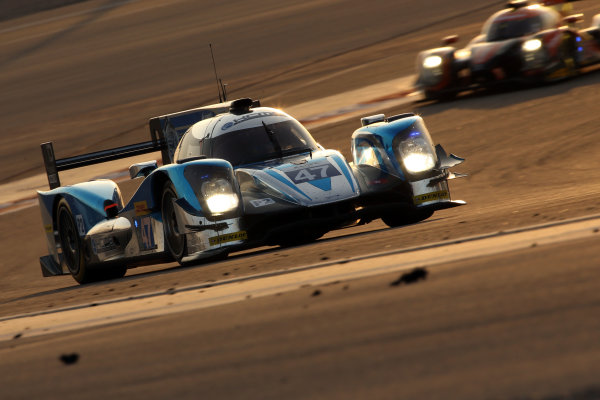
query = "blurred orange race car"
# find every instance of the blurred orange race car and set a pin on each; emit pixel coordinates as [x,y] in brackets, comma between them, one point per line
[525,42]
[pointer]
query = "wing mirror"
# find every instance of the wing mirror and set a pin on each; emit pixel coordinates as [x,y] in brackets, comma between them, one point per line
[142,169]
[111,209]
[449,40]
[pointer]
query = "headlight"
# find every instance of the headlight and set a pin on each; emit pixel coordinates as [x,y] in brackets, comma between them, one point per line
[365,155]
[432,61]
[219,196]
[462,54]
[418,162]
[532,45]
[417,154]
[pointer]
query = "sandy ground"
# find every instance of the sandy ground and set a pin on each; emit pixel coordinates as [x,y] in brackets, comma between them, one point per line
[492,328]
[12,9]
[530,153]
[90,80]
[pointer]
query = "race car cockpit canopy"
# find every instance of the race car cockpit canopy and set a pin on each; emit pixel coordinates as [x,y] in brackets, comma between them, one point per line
[246,137]
[515,22]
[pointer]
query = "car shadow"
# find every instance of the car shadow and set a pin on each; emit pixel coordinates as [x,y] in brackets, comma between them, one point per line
[486,99]
[174,268]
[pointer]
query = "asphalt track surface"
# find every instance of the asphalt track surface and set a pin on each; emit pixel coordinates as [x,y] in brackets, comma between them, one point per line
[521,324]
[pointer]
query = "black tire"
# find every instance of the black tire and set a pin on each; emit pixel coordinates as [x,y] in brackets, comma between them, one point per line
[399,218]
[567,60]
[73,250]
[175,243]
[71,244]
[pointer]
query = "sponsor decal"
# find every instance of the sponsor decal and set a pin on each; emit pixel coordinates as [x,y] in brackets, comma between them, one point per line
[262,202]
[312,172]
[228,237]
[80,224]
[141,208]
[433,196]
[248,117]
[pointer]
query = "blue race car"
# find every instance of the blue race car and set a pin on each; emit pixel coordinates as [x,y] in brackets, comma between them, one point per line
[236,175]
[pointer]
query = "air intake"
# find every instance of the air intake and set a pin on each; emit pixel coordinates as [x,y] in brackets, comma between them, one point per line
[241,106]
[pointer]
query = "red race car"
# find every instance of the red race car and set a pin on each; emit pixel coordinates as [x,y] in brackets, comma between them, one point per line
[525,42]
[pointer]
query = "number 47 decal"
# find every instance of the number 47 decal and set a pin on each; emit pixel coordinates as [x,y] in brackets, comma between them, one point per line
[313,173]
[146,233]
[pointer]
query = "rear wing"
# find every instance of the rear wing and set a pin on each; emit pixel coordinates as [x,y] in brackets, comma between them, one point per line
[165,132]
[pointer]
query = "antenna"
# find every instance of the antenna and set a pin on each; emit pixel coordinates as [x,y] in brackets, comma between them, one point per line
[223,89]
[219,83]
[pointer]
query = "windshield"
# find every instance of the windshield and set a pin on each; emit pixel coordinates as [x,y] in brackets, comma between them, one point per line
[264,142]
[503,29]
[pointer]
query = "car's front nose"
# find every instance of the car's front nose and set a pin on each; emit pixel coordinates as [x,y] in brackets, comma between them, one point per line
[496,61]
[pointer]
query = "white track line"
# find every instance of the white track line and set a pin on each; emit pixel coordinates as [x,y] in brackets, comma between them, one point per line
[198,297]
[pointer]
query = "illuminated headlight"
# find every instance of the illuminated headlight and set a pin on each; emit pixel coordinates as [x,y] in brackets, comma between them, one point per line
[219,195]
[532,45]
[418,162]
[417,154]
[432,61]
[462,54]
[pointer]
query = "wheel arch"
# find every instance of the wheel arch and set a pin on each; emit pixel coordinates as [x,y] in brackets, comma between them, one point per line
[55,203]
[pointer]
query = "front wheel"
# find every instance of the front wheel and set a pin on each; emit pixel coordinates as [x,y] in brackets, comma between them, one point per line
[567,66]
[175,242]
[399,218]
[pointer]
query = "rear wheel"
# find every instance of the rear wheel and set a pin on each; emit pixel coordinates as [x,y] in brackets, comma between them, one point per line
[399,218]
[73,250]
[175,242]
[71,244]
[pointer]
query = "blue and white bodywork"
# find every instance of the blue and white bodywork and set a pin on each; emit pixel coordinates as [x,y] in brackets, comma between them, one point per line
[404,177]
[236,175]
